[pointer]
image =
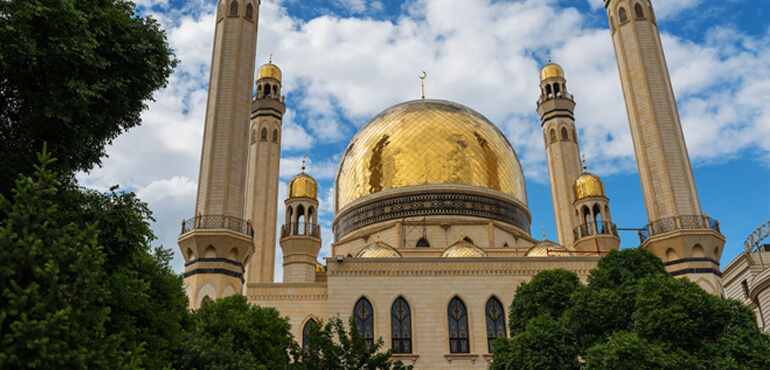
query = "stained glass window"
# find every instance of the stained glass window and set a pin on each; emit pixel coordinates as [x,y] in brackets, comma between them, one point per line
[401,326]
[458,327]
[495,321]
[306,332]
[365,320]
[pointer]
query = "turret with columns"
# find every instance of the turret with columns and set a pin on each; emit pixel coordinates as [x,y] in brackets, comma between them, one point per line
[301,235]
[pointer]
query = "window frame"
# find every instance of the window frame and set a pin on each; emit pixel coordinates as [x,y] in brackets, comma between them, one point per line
[401,327]
[364,307]
[457,325]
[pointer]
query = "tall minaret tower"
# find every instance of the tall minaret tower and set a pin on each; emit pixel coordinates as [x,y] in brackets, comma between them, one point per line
[300,235]
[267,110]
[688,241]
[556,107]
[217,242]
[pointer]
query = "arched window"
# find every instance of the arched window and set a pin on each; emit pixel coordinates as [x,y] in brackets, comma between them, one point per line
[275,135]
[263,135]
[401,326]
[267,91]
[548,90]
[553,135]
[423,243]
[205,299]
[309,325]
[234,8]
[495,321]
[299,226]
[598,220]
[250,11]
[457,316]
[587,220]
[557,90]
[467,239]
[365,320]
[623,15]
[564,134]
[639,12]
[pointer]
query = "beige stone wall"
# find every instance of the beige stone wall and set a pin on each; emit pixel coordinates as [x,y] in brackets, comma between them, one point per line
[427,284]
[753,270]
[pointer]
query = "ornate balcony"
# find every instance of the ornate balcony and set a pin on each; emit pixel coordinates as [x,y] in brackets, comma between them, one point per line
[300,228]
[601,228]
[207,222]
[678,223]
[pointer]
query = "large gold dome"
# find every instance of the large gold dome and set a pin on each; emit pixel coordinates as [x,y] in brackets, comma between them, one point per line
[428,142]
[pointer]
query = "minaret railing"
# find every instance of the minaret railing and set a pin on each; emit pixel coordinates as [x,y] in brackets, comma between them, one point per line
[208,222]
[669,224]
[300,228]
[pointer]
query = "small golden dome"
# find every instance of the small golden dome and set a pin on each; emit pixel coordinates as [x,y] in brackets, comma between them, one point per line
[551,70]
[547,248]
[319,267]
[588,185]
[463,248]
[428,142]
[378,249]
[303,186]
[269,70]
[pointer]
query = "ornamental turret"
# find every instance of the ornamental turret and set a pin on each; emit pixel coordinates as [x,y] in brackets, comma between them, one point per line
[300,234]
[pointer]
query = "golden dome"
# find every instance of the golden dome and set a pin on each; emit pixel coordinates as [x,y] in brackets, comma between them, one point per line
[303,186]
[588,185]
[548,248]
[463,249]
[428,142]
[269,70]
[378,249]
[551,70]
[319,267]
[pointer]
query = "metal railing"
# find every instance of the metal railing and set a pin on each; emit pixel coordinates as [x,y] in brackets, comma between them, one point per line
[601,228]
[552,96]
[670,224]
[300,228]
[217,222]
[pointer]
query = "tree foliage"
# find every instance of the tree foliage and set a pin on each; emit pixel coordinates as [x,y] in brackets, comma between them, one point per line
[52,313]
[230,333]
[74,74]
[631,314]
[331,346]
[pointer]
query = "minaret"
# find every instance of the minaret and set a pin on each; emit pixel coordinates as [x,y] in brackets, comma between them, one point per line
[556,107]
[688,241]
[300,235]
[218,240]
[267,110]
[596,231]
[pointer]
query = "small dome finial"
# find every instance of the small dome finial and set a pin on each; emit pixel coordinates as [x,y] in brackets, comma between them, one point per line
[543,232]
[549,57]
[304,157]
[585,167]
[422,83]
[271,59]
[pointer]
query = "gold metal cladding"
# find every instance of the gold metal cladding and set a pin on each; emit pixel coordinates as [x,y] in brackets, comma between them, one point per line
[428,142]
[548,248]
[463,249]
[303,186]
[588,185]
[551,70]
[378,249]
[269,70]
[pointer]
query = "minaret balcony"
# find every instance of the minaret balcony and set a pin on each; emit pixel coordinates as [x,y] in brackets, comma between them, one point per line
[209,222]
[300,229]
[559,95]
[670,224]
[599,228]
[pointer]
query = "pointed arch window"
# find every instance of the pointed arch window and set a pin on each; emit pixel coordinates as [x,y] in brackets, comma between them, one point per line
[574,135]
[275,135]
[564,134]
[306,330]
[365,320]
[250,11]
[234,8]
[495,321]
[457,317]
[263,135]
[623,15]
[423,243]
[401,326]
[652,13]
[553,135]
[639,12]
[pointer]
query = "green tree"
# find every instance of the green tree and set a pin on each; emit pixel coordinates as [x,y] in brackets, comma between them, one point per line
[74,74]
[331,346]
[631,314]
[147,303]
[51,311]
[230,333]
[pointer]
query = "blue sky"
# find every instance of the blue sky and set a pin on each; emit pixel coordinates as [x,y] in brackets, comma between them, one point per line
[346,60]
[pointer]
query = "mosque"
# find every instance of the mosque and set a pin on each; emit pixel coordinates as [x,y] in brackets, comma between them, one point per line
[432,225]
